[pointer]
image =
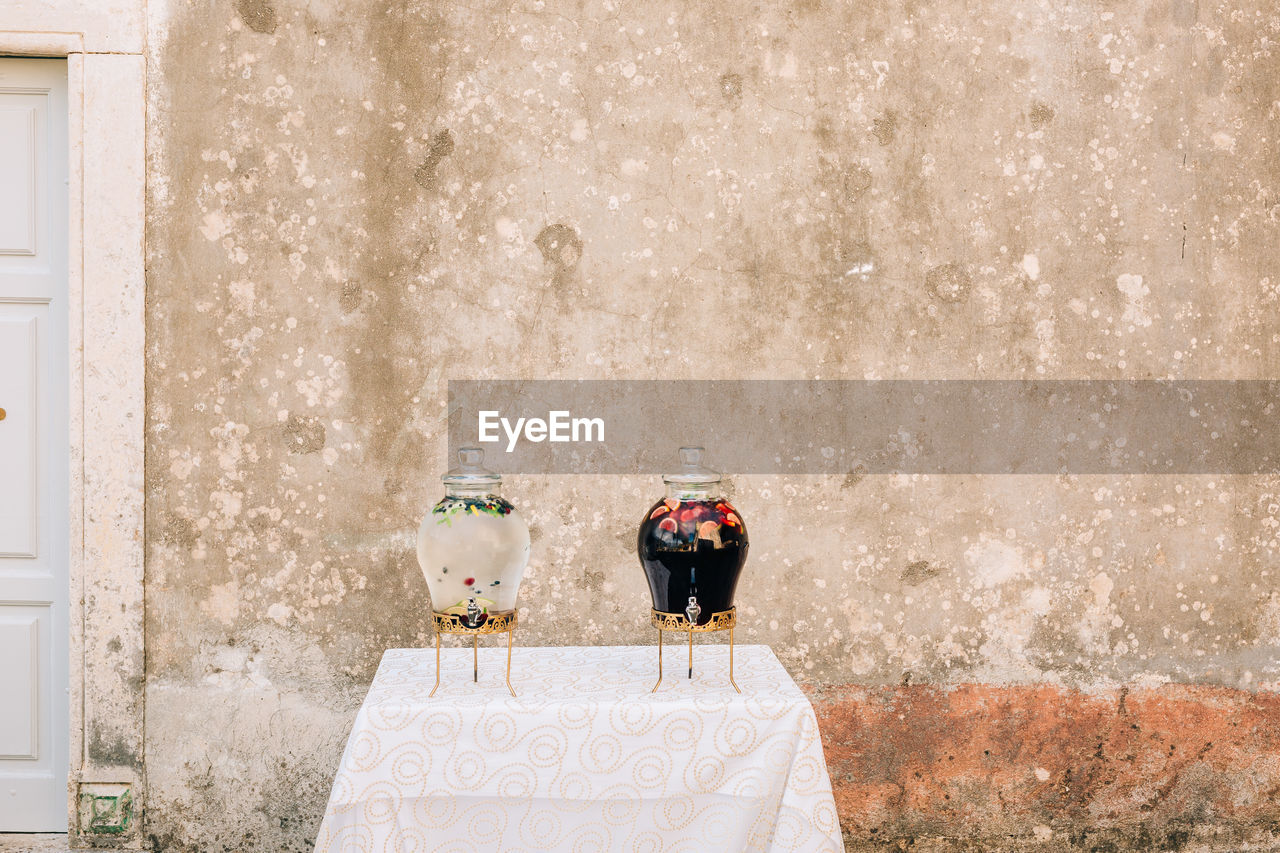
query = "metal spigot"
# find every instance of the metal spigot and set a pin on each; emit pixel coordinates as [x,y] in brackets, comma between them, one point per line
[473,612]
[693,610]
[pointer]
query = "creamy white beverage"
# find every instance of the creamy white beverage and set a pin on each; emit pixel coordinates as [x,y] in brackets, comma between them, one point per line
[473,547]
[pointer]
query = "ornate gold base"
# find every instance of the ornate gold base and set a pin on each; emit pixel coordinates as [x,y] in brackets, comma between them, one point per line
[456,623]
[725,620]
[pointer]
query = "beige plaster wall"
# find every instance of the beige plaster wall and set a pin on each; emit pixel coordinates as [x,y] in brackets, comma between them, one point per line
[345,204]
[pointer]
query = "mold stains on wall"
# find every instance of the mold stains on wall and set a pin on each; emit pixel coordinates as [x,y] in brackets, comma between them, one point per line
[948,282]
[264,789]
[351,297]
[561,247]
[855,476]
[442,146]
[107,750]
[919,571]
[1041,114]
[730,84]
[885,127]
[258,15]
[855,181]
[180,532]
[412,46]
[303,434]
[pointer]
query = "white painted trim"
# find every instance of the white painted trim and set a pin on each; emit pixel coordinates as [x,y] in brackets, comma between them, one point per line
[106,87]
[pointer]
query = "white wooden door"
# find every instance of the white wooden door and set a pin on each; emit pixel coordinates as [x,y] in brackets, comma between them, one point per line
[34,445]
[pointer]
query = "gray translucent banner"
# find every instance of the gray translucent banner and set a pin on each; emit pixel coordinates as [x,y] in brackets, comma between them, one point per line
[871,427]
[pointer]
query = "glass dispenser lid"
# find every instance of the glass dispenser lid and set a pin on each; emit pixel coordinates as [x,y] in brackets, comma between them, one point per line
[471,473]
[691,471]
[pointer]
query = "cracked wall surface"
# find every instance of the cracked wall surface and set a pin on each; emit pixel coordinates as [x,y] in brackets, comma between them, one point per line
[351,203]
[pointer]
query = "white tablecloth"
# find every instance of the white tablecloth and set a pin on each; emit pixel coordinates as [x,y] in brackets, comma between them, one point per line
[584,759]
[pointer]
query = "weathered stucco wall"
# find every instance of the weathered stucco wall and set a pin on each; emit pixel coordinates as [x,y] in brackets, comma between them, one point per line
[351,203]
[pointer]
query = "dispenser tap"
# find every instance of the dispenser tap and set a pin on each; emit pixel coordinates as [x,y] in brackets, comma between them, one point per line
[693,610]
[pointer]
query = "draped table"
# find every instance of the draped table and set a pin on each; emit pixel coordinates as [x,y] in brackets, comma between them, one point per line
[584,758]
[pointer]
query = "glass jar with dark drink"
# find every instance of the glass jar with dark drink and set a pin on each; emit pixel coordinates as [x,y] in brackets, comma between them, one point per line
[692,545]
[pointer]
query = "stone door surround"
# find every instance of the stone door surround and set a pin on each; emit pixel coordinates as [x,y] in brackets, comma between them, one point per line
[103,43]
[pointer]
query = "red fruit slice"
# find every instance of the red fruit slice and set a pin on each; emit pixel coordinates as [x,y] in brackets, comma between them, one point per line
[690,513]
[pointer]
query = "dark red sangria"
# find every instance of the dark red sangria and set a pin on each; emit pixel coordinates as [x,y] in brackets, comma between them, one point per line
[692,544]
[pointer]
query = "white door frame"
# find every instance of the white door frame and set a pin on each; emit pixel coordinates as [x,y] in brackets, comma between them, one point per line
[106,86]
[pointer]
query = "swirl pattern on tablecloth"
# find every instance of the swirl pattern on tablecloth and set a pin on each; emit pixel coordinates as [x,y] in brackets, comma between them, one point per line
[585,758]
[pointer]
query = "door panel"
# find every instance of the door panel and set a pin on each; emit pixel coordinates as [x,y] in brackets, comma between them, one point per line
[18,451]
[34,446]
[18,175]
[32,213]
[19,666]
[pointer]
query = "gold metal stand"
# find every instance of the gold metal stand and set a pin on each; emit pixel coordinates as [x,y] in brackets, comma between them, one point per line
[456,623]
[679,623]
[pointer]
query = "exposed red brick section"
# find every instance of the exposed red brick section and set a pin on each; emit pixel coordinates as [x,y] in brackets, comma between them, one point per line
[981,761]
